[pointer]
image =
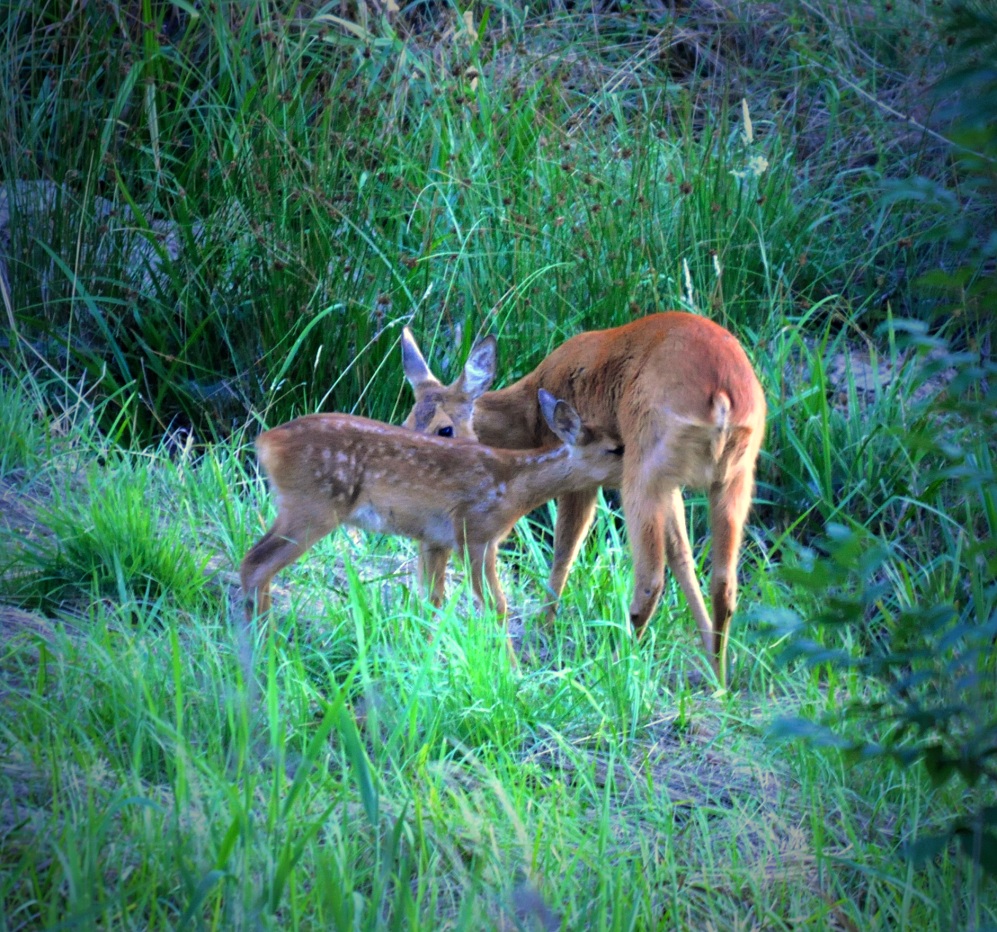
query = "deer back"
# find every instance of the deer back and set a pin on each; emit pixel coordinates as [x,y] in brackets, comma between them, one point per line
[672,379]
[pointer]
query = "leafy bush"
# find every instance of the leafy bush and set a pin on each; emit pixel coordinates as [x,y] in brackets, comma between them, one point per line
[917,641]
[964,207]
[242,205]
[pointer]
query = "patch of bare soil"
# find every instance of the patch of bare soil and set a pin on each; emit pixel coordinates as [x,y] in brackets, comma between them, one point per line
[15,622]
[656,798]
[748,804]
[19,625]
[872,379]
[23,807]
[17,509]
[872,376]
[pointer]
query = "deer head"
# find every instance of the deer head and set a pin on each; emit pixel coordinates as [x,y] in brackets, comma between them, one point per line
[455,417]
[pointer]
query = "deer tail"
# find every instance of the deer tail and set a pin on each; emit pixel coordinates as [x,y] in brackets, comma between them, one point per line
[720,416]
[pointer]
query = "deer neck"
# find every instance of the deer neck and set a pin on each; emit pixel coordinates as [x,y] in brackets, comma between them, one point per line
[509,418]
[535,477]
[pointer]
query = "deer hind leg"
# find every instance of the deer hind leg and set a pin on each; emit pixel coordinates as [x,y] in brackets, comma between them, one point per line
[729,506]
[433,571]
[683,566]
[575,511]
[288,538]
[492,578]
[645,517]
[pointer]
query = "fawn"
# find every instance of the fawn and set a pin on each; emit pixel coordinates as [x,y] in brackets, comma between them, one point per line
[332,469]
[679,395]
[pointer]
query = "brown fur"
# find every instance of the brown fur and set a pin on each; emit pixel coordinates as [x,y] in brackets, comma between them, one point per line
[678,392]
[332,469]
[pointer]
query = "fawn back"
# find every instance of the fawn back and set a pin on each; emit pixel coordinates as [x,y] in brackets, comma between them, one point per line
[332,469]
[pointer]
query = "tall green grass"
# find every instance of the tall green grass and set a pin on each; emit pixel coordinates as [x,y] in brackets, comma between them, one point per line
[248,201]
[380,764]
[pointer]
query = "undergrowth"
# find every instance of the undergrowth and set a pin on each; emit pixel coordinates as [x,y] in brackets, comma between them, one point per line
[236,209]
[381,764]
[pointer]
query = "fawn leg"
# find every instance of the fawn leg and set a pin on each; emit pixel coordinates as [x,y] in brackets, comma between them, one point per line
[286,540]
[484,573]
[433,571]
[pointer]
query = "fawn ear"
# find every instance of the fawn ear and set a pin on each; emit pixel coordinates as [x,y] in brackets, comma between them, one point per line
[479,370]
[413,364]
[560,417]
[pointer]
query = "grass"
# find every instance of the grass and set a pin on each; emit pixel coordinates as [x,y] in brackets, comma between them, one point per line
[293,204]
[244,206]
[365,776]
[105,537]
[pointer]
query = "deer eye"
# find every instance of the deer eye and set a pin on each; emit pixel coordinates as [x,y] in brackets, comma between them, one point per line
[445,432]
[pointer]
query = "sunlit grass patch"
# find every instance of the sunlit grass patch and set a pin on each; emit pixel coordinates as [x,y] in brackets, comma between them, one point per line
[106,536]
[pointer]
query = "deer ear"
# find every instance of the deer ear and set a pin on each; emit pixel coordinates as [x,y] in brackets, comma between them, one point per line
[479,370]
[413,364]
[560,417]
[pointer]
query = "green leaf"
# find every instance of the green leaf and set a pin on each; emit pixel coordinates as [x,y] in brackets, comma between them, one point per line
[360,765]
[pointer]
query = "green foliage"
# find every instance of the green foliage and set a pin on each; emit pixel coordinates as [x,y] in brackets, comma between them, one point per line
[104,539]
[964,213]
[917,639]
[240,206]
[839,418]
[222,215]
[364,775]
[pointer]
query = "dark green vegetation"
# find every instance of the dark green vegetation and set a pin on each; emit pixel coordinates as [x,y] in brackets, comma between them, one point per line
[222,215]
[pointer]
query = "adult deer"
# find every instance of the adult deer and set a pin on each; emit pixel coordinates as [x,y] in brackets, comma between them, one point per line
[332,469]
[678,393]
